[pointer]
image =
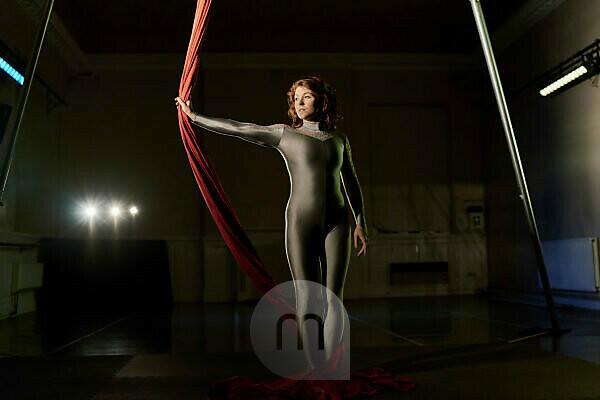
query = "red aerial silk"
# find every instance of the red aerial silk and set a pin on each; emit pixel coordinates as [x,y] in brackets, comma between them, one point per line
[366,382]
[218,204]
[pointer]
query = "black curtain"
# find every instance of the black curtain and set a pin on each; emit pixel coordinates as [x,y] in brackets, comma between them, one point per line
[104,275]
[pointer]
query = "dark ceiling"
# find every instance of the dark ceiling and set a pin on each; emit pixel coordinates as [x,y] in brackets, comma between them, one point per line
[163,26]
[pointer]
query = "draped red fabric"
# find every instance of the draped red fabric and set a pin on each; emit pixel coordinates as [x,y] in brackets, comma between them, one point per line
[217,201]
[365,382]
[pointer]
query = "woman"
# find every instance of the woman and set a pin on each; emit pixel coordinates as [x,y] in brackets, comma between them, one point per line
[319,162]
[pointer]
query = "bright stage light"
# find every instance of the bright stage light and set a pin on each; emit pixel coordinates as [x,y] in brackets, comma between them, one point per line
[90,211]
[115,211]
[133,210]
[13,73]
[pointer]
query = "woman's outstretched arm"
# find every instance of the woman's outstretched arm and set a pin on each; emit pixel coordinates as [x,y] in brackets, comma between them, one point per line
[267,136]
[352,187]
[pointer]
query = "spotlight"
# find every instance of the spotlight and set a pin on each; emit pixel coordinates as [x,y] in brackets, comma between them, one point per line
[90,211]
[115,211]
[133,210]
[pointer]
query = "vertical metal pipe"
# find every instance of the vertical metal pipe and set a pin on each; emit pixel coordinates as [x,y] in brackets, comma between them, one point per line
[24,95]
[516,160]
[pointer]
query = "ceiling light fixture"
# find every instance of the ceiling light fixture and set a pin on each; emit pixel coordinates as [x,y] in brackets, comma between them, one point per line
[583,65]
[11,71]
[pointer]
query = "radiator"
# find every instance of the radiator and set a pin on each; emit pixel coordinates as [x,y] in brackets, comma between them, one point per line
[28,276]
[573,264]
[16,285]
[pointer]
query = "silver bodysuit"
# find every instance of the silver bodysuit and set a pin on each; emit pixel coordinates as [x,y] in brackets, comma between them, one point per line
[317,232]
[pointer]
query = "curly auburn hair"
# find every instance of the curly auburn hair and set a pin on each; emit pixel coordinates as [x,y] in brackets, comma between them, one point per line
[325,103]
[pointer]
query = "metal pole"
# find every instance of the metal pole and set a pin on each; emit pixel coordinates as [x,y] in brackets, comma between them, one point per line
[516,160]
[24,95]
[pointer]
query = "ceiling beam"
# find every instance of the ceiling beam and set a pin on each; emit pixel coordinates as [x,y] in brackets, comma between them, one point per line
[58,36]
[528,15]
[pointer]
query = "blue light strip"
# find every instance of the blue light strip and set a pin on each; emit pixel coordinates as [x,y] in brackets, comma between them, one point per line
[6,67]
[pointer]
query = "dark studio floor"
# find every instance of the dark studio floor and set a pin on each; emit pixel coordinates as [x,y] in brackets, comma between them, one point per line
[452,348]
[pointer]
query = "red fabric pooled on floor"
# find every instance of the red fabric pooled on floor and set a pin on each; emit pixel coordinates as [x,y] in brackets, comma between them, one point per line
[363,383]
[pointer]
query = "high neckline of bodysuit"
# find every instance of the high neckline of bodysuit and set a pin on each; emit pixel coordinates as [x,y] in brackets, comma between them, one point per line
[311,125]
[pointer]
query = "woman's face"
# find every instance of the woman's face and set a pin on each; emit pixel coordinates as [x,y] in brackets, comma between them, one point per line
[304,103]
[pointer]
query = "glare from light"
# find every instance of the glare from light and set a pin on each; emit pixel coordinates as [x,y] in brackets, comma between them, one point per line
[90,211]
[13,73]
[133,210]
[115,211]
[571,76]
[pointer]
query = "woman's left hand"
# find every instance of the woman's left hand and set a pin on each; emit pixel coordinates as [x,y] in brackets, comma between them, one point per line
[359,234]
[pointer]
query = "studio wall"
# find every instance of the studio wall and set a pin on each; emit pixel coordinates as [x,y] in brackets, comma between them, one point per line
[558,139]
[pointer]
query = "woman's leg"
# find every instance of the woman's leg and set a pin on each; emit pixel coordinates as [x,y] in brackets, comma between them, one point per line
[337,256]
[303,244]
